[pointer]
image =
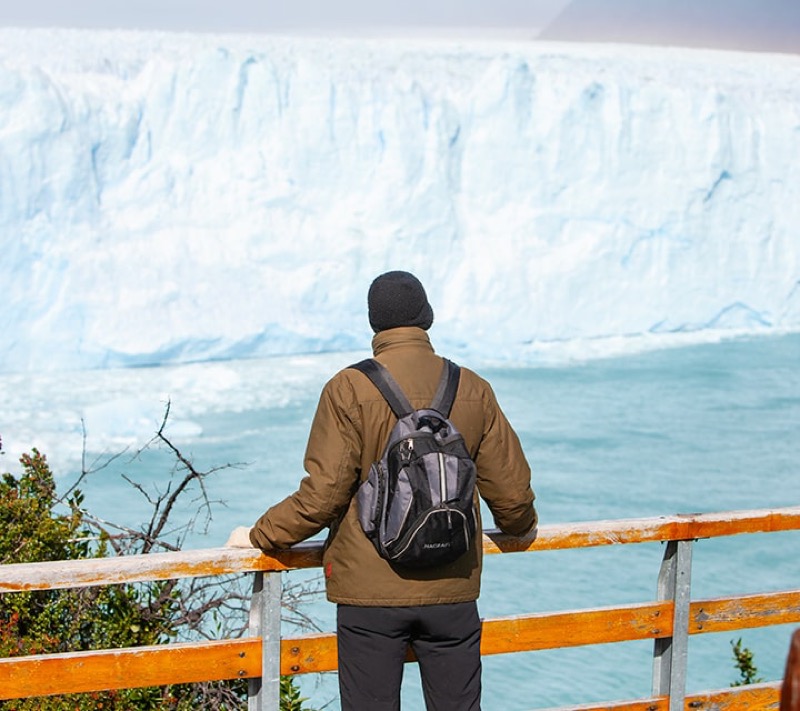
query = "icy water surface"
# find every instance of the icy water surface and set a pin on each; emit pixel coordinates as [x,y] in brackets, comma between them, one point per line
[699,428]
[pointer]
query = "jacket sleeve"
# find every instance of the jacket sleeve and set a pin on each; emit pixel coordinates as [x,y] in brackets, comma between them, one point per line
[332,474]
[504,476]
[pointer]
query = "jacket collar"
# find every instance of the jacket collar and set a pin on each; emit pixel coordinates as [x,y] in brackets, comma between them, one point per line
[402,337]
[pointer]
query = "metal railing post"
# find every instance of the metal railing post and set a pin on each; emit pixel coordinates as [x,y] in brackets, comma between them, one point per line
[670,655]
[265,622]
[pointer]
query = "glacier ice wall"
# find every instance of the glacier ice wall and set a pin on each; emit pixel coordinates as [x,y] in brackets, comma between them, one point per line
[167,198]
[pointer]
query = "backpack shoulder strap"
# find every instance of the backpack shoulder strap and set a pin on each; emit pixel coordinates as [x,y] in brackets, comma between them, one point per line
[386,384]
[448,387]
[393,394]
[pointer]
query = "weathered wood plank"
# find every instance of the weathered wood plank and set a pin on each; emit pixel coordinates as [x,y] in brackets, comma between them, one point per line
[551,630]
[154,566]
[753,697]
[659,703]
[220,561]
[76,672]
[186,663]
[309,653]
[576,628]
[744,612]
[680,527]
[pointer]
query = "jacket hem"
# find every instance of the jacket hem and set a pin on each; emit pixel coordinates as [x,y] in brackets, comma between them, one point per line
[400,602]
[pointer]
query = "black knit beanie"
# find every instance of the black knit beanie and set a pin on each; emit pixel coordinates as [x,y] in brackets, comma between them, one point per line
[398,299]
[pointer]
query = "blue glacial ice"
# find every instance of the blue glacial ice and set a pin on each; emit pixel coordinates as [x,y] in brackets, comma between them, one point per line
[168,198]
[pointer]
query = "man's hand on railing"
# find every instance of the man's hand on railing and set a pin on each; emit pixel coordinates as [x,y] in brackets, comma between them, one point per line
[239,538]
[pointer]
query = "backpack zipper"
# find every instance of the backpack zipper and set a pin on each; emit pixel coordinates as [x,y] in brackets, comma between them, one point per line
[443,489]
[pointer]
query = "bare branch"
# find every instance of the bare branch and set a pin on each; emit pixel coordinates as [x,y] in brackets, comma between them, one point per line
[193,608]
[87,471]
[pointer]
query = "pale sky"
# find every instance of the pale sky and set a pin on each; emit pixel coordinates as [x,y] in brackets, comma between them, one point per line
[519,16]
[757,25]
[760,25]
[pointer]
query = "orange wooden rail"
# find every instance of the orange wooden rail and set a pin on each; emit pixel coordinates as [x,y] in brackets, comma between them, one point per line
[227,659]
[219,561]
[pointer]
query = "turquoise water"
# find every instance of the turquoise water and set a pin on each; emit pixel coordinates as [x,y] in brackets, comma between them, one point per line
[697,428]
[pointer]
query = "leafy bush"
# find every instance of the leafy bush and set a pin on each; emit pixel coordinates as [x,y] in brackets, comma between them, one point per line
[743,658]
[47,621]
[37,525]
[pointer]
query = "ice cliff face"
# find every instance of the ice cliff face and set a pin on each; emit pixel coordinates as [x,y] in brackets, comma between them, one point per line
[167,198]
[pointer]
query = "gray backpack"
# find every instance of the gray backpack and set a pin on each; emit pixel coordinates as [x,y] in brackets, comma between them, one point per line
[417,504]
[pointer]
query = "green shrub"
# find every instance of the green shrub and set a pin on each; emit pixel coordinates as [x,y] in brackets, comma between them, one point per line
[48,621]
[743,658]
[35,525]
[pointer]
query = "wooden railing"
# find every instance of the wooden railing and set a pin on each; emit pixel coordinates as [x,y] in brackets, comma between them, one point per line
[263,656]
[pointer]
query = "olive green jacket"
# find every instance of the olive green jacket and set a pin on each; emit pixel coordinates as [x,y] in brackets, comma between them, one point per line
[350,429]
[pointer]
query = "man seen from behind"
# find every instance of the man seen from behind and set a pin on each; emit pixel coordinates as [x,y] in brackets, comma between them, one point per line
[382,609]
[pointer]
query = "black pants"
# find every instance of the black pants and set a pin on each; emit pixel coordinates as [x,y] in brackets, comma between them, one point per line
[372,649]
